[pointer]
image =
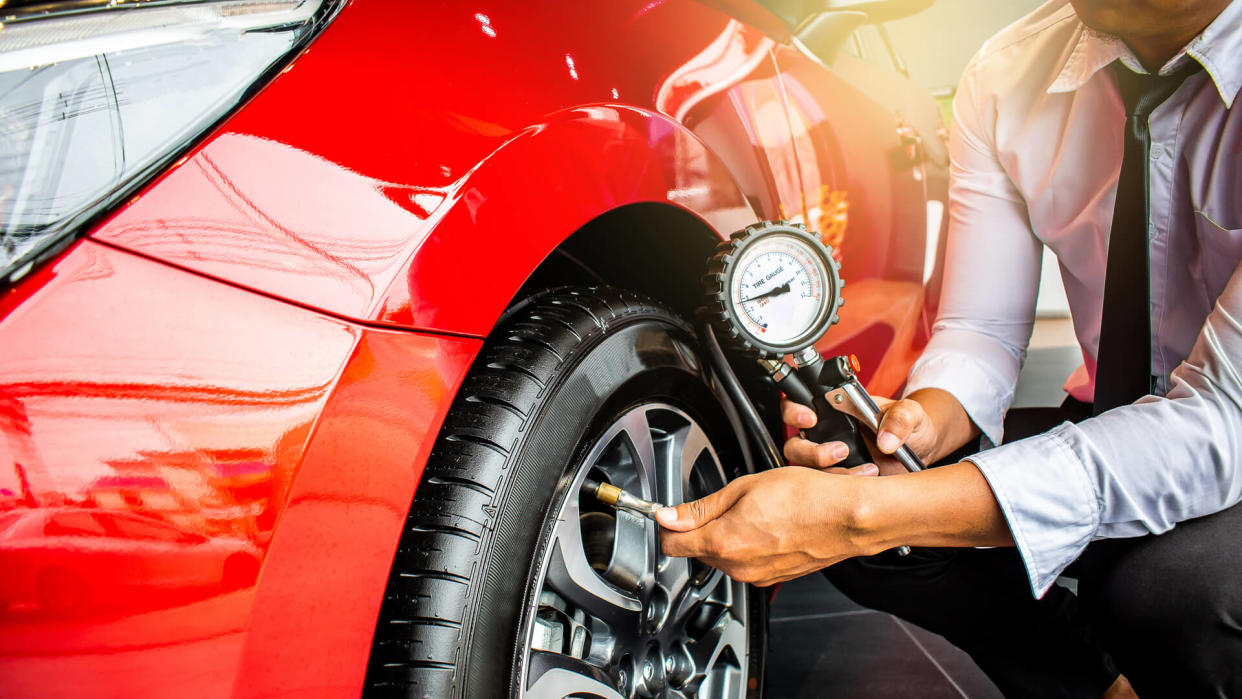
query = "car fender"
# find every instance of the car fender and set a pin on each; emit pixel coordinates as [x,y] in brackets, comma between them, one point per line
[526,198]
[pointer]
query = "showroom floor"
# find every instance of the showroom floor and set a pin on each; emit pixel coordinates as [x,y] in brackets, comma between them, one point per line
[823,645]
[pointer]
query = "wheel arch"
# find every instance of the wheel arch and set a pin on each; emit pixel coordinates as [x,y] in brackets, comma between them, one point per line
[653,248]
[632,195]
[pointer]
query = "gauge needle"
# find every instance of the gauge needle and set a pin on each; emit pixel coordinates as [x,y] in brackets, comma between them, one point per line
[775,291]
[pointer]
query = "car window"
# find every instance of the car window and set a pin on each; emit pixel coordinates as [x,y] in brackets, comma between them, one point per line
[146,529]
[871,47]
[8,519]
[73,524]
[791,11]
[853,47]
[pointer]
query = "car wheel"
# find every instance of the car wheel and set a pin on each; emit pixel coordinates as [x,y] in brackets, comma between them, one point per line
[508,581]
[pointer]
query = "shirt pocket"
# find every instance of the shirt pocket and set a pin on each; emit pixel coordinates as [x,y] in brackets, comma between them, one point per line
[1220,250]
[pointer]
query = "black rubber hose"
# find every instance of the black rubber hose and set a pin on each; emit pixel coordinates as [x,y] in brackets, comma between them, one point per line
[746,409]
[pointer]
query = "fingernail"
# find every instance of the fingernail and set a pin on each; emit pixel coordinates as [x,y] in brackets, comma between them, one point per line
[870,470]
[887,442]
[840,451]
[667,514]
[806,420]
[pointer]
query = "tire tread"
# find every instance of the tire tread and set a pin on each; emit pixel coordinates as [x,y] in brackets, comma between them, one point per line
[422,626]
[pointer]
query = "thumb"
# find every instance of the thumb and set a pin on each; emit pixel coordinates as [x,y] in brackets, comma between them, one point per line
[694,514]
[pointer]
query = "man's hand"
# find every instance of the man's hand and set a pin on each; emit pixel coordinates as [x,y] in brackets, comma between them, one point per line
[769,527]
[781,524]
[910,421]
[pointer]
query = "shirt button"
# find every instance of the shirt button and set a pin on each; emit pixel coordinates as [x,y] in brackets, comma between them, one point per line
[1157,151]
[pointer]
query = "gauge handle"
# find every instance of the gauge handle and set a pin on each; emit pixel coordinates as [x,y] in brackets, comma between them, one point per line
[871,415]
[831,425]
[838,373]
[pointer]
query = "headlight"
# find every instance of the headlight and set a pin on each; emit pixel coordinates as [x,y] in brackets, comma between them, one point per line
[96,95]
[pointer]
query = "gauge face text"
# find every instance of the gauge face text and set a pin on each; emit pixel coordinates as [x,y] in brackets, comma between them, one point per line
[778,291]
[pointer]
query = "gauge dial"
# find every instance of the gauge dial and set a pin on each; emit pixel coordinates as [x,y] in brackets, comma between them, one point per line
[776,288]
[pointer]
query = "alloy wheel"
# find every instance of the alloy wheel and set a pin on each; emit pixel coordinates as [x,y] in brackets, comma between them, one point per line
[614,617]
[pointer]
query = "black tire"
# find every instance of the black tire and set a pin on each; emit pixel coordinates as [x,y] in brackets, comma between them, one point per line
[553,374]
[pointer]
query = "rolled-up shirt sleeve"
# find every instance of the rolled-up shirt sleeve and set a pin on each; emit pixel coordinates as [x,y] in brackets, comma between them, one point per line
[1134,470]
[992,264]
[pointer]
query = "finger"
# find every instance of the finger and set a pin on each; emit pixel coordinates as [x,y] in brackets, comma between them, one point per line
[897,424]
[797,414]
[804,452]
[863,470]
[694,514]
[692,544]
[800,451]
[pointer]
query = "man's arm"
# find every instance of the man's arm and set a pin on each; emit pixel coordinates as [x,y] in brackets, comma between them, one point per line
[1134,470]
[991,279]
[782,524]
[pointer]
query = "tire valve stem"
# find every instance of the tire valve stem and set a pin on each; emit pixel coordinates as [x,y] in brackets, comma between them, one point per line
[613,496]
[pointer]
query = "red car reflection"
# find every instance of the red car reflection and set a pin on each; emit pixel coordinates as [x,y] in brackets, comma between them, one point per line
[79,561]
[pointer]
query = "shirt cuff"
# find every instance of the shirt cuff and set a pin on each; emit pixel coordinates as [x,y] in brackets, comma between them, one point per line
[1048,499]
[984,396]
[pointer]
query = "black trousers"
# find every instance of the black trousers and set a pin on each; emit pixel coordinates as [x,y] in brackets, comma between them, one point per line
[1165,611]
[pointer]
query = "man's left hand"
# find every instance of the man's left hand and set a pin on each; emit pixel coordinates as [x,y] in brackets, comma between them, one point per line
[770,527]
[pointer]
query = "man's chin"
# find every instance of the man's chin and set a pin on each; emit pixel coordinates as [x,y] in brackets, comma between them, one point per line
[1107,16]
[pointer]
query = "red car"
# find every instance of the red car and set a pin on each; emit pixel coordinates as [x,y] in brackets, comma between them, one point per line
[74,560]
[356,294]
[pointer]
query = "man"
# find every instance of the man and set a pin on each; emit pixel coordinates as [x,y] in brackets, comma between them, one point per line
[1104,130]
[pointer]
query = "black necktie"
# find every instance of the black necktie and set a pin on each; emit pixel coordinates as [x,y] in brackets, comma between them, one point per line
[1123,373]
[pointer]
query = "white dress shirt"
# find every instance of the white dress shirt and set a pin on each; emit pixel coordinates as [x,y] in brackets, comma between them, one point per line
[1036,152]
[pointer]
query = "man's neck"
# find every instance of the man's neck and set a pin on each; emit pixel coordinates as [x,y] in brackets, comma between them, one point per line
[1155,50]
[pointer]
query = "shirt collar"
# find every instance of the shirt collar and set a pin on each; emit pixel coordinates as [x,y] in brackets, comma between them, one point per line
[1218,48]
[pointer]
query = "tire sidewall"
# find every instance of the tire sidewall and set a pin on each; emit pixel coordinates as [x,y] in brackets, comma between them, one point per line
[641,359]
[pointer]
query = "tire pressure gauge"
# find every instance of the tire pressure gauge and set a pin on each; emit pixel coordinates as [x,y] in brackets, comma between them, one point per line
[773,289]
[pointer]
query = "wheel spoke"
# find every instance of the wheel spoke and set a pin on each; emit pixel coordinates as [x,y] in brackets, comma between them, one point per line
[638,431]
[705,652]
[689,595]
[555,675]
[570,574]
[674,576]
[688,446]
[633,551]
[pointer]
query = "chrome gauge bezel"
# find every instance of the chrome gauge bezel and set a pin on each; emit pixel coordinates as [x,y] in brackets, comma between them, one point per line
[732,258]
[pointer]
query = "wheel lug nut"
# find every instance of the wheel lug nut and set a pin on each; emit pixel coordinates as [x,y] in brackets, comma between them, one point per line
[648,670]
[670,664]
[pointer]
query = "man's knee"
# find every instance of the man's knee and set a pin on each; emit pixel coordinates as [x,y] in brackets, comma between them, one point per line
[1170,612]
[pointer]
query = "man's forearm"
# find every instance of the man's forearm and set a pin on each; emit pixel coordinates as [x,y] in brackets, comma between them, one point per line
[947,506]
[954,427]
